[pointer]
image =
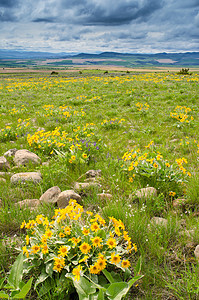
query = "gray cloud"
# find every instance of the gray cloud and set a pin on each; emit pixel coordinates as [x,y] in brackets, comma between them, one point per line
[100,25]
[7,3]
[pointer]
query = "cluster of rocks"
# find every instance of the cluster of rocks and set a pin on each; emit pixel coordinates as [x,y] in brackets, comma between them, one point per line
[61,198]
[21,157]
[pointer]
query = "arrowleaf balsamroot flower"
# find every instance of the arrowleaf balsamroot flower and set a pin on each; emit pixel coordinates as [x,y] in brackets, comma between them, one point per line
[85,231]
[35,248]
[67,230]
[94,269]
[125,264]
[115,258]
[101,263]
[63,250]
[76,272]
[111,243]
[59,264]
[85,248]
[95,227]
[97,241]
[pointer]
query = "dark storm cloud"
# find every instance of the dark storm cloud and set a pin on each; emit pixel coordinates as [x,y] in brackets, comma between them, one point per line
[7,3]
[121,12]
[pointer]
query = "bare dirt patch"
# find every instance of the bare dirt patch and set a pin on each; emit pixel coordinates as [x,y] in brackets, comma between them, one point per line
[76,60]
[78,68]
[166,61]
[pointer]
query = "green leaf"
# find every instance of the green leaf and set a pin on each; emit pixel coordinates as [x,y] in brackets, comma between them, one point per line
[133,280]
[24,291]
[1,282]
[83,287]
[49,268]
[127,274]
[116,276]
[3,295]
[117,290]
[138,266]
[16,272]
[9,286]
[49,258]
[41,278]
[108,276]
[100,295]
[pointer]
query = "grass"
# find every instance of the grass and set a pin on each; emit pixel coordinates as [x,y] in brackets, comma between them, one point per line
[108,115]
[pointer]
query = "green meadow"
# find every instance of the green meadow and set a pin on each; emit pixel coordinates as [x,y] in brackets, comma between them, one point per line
[139,129]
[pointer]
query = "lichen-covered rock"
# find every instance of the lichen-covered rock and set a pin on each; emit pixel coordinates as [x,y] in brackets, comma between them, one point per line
[159,221]
[51,195]
[104,196]
[34,177]
[82,186]
[10,152]
[65,196]
[93,173]
[146,193]
[4,164]
[179,203]
[196,252]
[23,157]
[28,203]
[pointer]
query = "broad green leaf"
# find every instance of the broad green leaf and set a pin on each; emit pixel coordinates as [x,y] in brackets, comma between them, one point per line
[108,276]
[127,274]
[49,268]
[41,278]
[3,295]
[116,277]
[83,287]
[100,295]
[117,290]
[16,272]
[49,258]
[24,291]
[94,278]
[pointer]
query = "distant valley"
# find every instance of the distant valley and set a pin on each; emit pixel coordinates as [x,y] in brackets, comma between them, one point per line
[20,59]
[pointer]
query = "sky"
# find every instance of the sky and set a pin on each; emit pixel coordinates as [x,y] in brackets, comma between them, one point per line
[93,26]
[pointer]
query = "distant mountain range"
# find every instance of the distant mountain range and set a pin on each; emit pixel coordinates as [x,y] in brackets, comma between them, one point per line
[15,58]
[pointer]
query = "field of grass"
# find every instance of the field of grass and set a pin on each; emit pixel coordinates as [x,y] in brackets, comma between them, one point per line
[141,130]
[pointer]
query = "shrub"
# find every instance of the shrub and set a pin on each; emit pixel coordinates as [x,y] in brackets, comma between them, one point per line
[184,72]
[150,168]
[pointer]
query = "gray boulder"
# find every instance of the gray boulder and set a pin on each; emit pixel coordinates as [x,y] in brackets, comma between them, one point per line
[23,157]
[10,152]
[146,193]
[196,252]
[4,164]
[28,203]
[65,196]
[34,177]
[51,195]
[159,221]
